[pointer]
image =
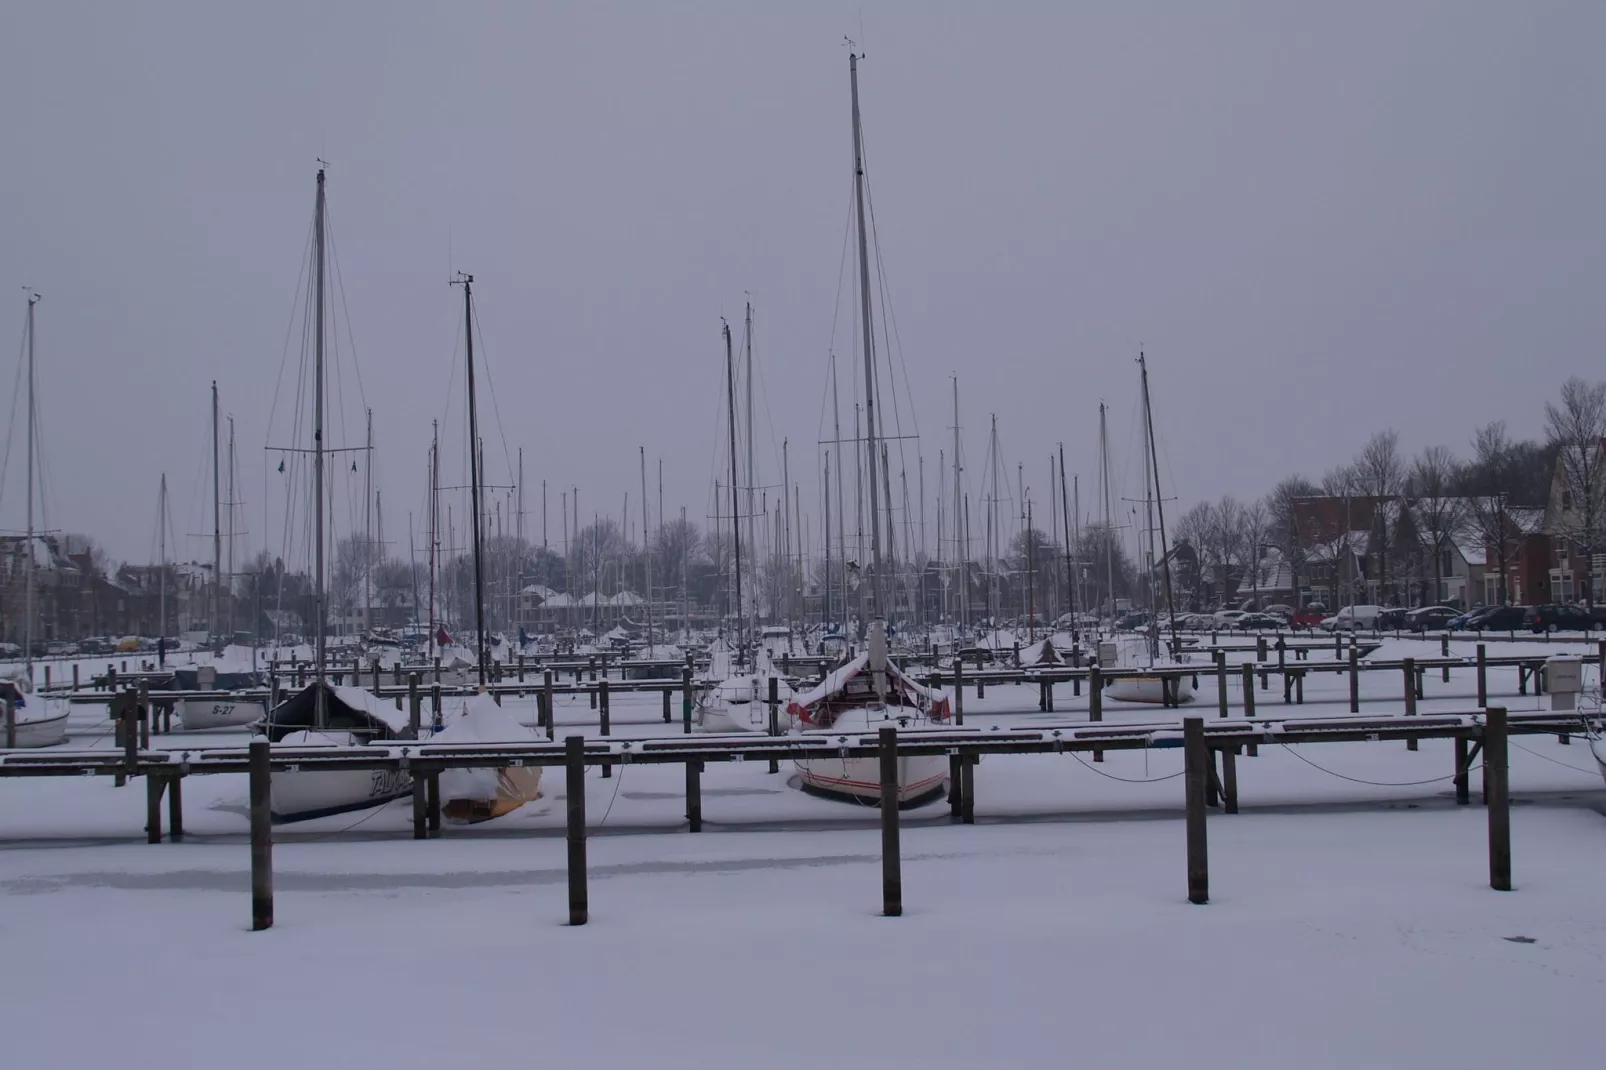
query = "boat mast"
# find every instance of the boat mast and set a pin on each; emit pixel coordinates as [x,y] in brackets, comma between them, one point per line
[825,615]
[475,462]
[1070,565]
[876,603]
[646,548]
[27,564]
[736,524]
[217,528]
[841,524]
[1150,490]
[368,525]
[1154,460]
[229,560]
[1109,529]
[434,522]
[747,429]
[320,701]
[960,581]
[161,574]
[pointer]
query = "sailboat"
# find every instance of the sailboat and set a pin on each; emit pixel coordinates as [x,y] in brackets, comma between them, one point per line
[231,711]
[736,697]
[37,721]
[868,692]
[1142,651]
[321,715]
[472,795]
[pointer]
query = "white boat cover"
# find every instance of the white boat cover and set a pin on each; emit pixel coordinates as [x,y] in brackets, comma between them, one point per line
[821,704]
[1039,654]
[478,719]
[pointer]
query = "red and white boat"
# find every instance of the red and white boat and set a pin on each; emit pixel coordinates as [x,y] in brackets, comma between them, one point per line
[861,697]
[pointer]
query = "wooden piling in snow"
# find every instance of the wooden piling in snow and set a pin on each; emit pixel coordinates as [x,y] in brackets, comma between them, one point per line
[1498,787]
[261,836]
[891,862]
[574,757]
[1197,760]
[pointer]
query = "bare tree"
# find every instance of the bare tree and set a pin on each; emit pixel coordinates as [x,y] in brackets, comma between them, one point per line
[1431,484]
[1256,527]
[1379,472]
[1284,528]
[1576,428]
[1488,483]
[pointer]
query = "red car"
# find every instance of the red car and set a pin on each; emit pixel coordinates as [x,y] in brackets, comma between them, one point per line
[1309,616]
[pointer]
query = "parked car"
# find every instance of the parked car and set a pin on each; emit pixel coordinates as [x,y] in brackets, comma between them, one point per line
[1227,619]
[1353,618]
[1557,618]
[1254,621]
[1390,620]
[1430,618]
[1498,619]
[1284,613]
[1461,621]
[1311,616]
[1132,622]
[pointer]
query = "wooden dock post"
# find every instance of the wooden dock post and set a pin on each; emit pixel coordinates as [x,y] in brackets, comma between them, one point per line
[955,783]
[694,794]
[420,805]
[607,722]
[1229,779]
[1095,700]
[261,836]
[574,764]
[1444,652]
[415,706]
[435,704]
[685,698]
[153,809]
[1197,759]
[591,667]
[775,717]
[891,862]
[1354,680]
[1498,787]
[144,715]
[432,802]
[11,723]
[1408,670]
[546,705]
[1483,676]
[175,808]
[959,690]
[75,676]
[669,716]
[1463,794]
[130,733]
[1221,681]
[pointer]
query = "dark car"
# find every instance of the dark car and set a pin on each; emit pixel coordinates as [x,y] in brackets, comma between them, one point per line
[1430,618]
[1498,619]
[1390,620]
[1255,621]
[1558,618]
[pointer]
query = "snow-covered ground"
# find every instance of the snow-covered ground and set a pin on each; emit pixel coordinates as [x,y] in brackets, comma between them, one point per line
[1350,922]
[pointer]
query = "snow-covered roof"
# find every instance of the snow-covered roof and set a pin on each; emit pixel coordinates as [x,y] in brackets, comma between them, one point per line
[627,598]
[539,591]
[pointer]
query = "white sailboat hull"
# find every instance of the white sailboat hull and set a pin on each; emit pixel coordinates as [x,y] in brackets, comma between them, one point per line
[860,778]
[302,795]
[1597,747]
[47,731]
[1147,689]
[196,714]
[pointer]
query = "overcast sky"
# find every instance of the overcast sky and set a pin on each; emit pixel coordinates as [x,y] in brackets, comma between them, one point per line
[1319,220]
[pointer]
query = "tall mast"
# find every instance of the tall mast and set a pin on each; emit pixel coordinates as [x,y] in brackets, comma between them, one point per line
[747,424]
[474,474]
[646,547]
[161,573]
[27,561]
[228,562]
[785,532]
[216,626]
[876,603]
[841,524]
[368,525]
[1070,564]
[825,612]
[736,524]
[1165,555]
[960,581]
[320,702]
[1031,577]
[434,522]
[1109,528]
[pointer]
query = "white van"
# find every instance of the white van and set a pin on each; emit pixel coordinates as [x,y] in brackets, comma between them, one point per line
[1353,619]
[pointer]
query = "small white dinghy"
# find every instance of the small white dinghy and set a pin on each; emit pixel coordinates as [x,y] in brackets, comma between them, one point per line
[860,697]
[352,717]
[474,795]
[1132,652]
[738,701]
[40,721]
[197,714]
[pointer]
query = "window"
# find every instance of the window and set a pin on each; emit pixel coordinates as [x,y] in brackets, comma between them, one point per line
[1566,499]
